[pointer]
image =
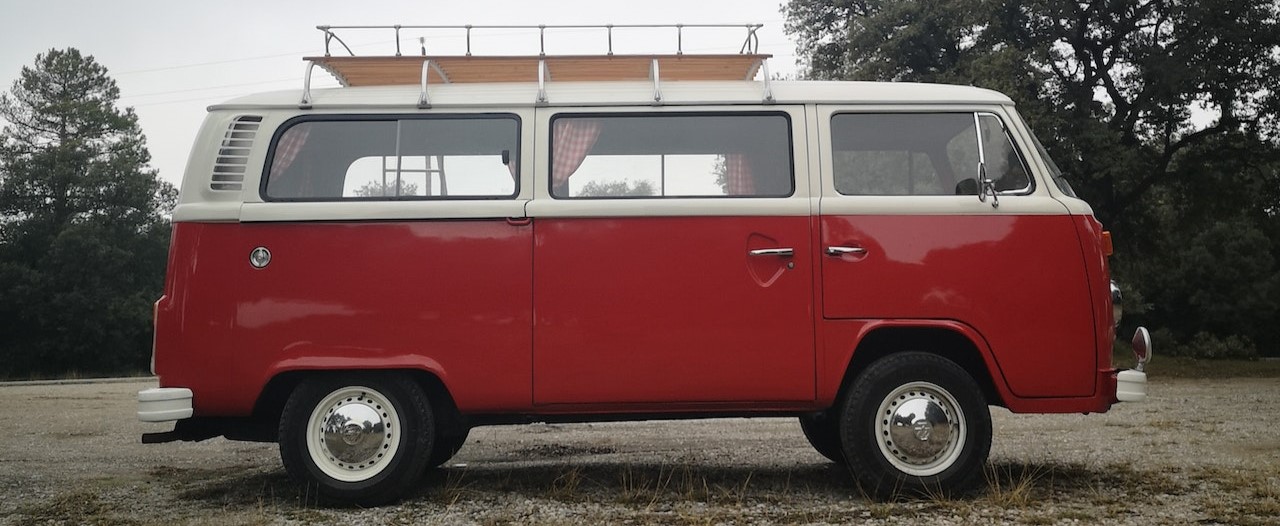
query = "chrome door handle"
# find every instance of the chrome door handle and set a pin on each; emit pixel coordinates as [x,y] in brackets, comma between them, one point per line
[840,251]
[784,252]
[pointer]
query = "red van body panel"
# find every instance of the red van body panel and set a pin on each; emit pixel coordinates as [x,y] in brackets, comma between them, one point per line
[1018,280]
[448,297]
[714,328]
[638,311]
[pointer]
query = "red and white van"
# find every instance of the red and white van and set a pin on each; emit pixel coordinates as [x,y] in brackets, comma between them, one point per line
[363,274]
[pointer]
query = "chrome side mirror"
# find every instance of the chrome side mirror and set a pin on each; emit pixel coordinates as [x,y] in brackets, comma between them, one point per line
[987,188]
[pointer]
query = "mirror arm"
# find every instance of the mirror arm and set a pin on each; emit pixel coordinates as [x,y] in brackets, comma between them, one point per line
[984,185]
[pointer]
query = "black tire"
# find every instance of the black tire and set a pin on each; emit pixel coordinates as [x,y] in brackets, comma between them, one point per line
[446,446]
[366,465]
[823,433]
[884,404]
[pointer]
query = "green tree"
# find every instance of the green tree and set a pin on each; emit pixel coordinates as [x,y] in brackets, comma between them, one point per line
[622,188]
[391,188]
[1164,113]
[83,237]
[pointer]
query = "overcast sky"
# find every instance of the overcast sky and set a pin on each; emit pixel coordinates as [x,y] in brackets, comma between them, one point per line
[172,59]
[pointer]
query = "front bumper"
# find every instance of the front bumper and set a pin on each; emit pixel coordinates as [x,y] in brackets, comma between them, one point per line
[1131,386]
[164,404]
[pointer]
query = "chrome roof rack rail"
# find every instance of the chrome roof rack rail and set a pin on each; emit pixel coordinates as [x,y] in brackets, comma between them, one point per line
[750,45]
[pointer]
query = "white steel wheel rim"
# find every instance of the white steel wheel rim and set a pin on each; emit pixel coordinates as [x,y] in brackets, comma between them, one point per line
[933,440]
[353,434]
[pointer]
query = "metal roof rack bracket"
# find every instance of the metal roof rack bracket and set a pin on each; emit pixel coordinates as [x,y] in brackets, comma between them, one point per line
[657,82]
[424,101]
[768,82]
[542,82]
[305,103]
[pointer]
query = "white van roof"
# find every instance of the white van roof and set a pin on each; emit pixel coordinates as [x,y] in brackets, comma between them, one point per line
[621,93]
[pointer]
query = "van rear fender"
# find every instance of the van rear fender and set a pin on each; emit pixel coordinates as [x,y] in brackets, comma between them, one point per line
[286,376]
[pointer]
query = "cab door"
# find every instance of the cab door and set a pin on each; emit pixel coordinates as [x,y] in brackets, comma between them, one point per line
[672,260]
[905,236]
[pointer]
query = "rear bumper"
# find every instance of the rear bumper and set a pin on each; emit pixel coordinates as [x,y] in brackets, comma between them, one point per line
[164,404]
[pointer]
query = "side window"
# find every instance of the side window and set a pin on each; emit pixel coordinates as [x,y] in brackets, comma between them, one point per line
[389,158]
[922,154]
[671,155]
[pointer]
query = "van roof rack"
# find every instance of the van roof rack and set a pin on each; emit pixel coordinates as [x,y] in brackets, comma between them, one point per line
[424,69]
[402,70]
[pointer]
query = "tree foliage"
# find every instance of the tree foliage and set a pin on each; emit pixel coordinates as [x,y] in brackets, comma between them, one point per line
[1164,114]
[622,188]
[390,188]
[83,239]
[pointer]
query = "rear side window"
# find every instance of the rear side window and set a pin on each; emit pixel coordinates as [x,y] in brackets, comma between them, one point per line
[671,155]
[388,158]
[922,154]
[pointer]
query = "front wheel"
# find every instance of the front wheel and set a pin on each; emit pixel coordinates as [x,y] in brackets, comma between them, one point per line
[917,423]
[823,433]
[361,439]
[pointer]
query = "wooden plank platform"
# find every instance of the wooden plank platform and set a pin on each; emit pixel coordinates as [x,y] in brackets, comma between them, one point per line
[386,71]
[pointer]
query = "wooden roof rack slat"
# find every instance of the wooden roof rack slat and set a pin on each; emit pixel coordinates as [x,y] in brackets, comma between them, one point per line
[426,69]
[407,70]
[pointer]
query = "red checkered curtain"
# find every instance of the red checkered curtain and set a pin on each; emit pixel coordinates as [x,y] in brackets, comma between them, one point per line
[288,148]
[738,177]
[573,139]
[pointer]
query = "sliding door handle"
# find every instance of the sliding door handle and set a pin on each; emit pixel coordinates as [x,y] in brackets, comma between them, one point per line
[840,251]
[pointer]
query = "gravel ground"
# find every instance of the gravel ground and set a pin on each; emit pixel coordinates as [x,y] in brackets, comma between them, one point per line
[1198,451]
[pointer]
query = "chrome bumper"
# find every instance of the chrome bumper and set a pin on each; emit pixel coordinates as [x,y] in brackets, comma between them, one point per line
[164,404]
[1131,386]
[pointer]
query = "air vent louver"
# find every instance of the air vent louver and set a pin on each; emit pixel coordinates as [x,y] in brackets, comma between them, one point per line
[233,156]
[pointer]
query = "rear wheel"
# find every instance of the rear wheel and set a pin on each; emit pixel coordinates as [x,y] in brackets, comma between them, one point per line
[823,433]
[917,423]
[361,439]
[446,446]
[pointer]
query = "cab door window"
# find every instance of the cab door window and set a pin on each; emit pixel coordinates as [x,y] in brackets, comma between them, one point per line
[923,154]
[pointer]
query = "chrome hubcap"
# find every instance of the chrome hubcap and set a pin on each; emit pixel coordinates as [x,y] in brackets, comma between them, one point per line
[353,433]
[919,428]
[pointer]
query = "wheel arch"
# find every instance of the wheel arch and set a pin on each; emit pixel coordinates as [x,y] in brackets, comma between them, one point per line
[271,401]
[953,341]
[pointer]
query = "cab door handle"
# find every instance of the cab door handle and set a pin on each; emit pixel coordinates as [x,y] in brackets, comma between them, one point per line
[784,252]
[840,251]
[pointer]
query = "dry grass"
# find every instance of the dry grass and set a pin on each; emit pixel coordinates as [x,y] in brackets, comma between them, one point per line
[77,507]
[1012,486]
[1015,492]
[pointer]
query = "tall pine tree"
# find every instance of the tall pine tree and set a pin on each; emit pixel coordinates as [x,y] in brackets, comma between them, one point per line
[83,235]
